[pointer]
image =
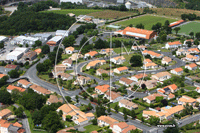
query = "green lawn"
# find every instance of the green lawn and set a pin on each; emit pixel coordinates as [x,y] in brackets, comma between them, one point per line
[69,124]
[75,11]
[90,128]
[148,21]
[190,27]
[193,131]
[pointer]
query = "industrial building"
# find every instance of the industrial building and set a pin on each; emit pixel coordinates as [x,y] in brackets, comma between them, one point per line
[137,33]
[54,41]
[16,54]
[24,40]
[64,33]
[3,39]
[43,36]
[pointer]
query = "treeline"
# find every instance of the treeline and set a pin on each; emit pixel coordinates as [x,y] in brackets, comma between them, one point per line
[190,17]
[21,22]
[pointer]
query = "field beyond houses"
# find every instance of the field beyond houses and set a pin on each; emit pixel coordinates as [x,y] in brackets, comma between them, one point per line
[189,27]
[97,13]
[147,20]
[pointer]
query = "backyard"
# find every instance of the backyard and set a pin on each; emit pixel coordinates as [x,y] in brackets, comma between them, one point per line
[148,21]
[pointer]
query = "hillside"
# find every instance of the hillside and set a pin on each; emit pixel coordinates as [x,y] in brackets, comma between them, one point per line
[161,3]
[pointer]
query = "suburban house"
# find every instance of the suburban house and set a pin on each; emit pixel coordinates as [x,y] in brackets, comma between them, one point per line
[190,57]
[189,40]
[170,96]
[58,69]
[6,127]
[151,98]
[127,82]
[193,50]
[122,127]
[91,54]
[5,113]
[65,76]
[115,97]
[161,76]
[107,51]
[14,67]
[101,89]
[140,47]
[69,50]
[166,60]
[186,99]
[138,77]
[150,66]
[120,70]
[78,117]
[152,54]
[75,56]
[175,44]
[181,51]
[106,121]
[100,71]
[168,89]
[67,62]
[165,113]
[53,99]
[147,61]
[24,83]
[149,83]
[95,63]
[118,60]
[198,89]
[38,51]
[127,104]
[82,80]
[10,88]
[137,33]
[191,66]
[177,71]
[40,90]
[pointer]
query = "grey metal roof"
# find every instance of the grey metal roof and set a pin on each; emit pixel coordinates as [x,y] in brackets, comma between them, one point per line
[13,129]
[42,35]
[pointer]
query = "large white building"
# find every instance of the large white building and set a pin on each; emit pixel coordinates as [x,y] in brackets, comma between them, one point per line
[64,33]
[3,38]
[43,36]
[14,55]
[24,40]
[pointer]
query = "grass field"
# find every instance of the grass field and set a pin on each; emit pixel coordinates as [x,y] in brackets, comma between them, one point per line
[148,21]
[189,27]
[110,14]
[75,11]
[90,128]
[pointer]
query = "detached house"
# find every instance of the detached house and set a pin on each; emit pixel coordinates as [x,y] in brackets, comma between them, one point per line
[147,61]
[193,50]
[150,65]
[118,60]
[166,60]
[82,80]
[161,76]
[75,56]
[120,70]
[127,104]
[69,50]
[10,88]
[177,71]
[115,97]
[67,62]
[152,54]
[175,44]
[168,89]
[127,82]
[140,47]
[108,51]
[138,77]
[95,63]
[91,54]
[99,72]
[5,113]
[190,57]
[186,99]
[122,127]
[53,99]
[101,89]
[24,83]
[151,98]
[191,66]
[198,89]
[40,90]
[106,121]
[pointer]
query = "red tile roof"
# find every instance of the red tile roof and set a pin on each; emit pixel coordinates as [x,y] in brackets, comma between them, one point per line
[176,23]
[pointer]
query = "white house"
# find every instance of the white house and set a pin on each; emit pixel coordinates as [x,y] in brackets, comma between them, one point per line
[198,89]
[191,66]
[177,71]
[122,127]
[186,99]
[69,50]
[161,76]
[24,83]
[190,57]
[166,60]
[115,97]
[138,77]
[118,60]
[120,70]
[106,121]
[175,44]
[91,54]
[127,82]
[68,63]
[127,104]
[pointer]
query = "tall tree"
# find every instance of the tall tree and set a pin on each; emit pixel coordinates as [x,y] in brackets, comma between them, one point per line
[136,61]
[176,29]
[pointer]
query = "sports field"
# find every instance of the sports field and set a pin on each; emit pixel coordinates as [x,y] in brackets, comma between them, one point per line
[75,11]
[189,27]
[148,21]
